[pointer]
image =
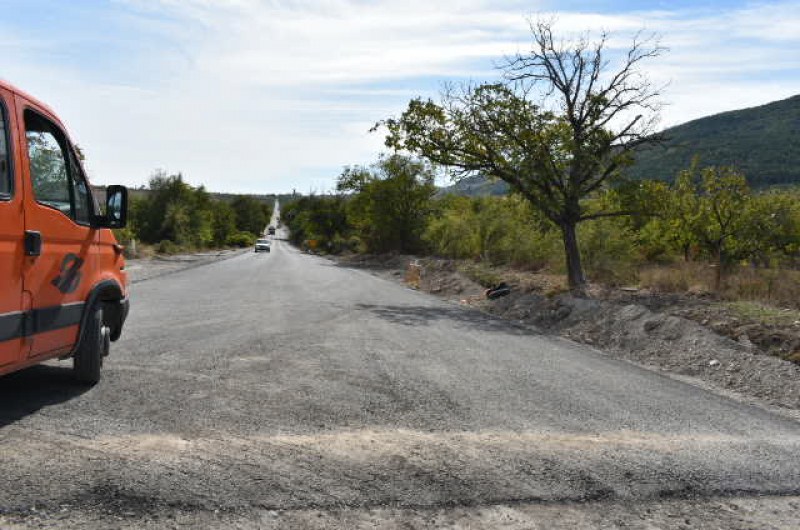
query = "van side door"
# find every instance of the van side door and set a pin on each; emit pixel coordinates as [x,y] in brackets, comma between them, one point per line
[11,238]
[59,207]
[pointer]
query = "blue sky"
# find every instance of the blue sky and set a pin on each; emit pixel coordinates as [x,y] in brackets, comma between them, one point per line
[275,95]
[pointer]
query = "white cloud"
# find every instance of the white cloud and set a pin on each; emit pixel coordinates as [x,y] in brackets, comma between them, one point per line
[286,43]
[261,96]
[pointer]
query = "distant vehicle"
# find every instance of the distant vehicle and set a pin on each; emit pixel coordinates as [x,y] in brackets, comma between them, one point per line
[271,230]
[64,287]
[262,245]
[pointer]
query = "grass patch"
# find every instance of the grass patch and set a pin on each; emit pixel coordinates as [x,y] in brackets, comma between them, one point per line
[776,287]
[762,313]
[481,273]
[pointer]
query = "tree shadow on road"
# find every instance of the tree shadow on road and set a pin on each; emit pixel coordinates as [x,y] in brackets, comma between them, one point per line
[28,391]
[432,315]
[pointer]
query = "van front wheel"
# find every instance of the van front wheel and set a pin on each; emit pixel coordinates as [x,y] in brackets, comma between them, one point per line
[88,360]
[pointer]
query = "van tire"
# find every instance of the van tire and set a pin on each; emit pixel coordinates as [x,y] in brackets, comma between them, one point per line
[88,360]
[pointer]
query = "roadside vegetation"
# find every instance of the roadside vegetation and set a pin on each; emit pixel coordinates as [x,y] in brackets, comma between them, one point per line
[545,129]
[705,233]
[172,216]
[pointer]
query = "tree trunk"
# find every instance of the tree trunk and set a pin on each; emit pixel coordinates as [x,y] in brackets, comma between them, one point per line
[718,272]
[574,268]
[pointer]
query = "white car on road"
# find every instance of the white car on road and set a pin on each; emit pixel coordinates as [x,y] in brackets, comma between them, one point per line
[262,245]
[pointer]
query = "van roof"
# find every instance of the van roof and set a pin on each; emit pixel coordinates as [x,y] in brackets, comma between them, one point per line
[11,88]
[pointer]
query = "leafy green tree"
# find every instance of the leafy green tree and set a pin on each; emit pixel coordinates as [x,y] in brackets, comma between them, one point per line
[451,231]
[722,213]
[667,215]
[684,212]
[611,251]
[201,218]
[772,228]
[176,225]
[223,222]
[317,217]
[501,230]
[165,213]
[251,214]
[390,202]
[708,208]
[177,212]
[561,125]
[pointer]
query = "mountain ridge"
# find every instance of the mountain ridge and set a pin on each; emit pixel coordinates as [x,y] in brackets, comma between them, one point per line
[762,141]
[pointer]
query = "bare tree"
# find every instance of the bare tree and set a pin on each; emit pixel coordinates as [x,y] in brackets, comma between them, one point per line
[561,124]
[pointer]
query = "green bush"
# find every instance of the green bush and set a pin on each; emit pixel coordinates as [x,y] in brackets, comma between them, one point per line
[167,247]
[319,217]
[453,232]
[497,230]
[609,251]
[388,203]
[189,216]
[241,240]
[481,274]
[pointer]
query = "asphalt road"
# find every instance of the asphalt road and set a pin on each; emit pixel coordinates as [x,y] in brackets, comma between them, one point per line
[269,383]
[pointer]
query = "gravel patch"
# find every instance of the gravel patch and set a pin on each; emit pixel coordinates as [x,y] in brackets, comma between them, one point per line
[713,514]
[140,270]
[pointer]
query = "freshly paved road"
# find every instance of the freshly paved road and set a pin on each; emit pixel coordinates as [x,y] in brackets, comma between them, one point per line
[282,381]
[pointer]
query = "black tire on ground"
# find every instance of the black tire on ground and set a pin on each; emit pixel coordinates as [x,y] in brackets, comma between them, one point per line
[88,360]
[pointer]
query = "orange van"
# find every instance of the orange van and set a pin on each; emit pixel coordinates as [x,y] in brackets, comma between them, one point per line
[63,285]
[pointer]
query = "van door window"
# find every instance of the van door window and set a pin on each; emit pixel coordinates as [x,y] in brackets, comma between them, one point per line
[81,192]
[54,183]
[5,162]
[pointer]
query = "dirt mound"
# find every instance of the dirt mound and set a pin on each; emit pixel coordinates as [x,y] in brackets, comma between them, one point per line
[668,342]
[771,330]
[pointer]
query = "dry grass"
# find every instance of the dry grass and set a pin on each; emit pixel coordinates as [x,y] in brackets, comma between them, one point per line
[776,287]
[139,250]
[413,274]
[482,273]
[522,279]
[678,278]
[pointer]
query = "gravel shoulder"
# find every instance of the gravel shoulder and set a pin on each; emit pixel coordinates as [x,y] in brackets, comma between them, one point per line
[764,513]
[143,269]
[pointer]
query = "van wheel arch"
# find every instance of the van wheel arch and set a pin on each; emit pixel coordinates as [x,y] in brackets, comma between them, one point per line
[107,295]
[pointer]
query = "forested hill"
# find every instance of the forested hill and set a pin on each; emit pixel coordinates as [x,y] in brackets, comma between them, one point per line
[477,186]
[764,142]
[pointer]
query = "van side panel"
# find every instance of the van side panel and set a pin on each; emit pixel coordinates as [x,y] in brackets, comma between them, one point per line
[110,261]
[11,244]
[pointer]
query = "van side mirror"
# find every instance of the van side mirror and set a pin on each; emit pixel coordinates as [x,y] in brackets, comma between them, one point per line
[116,214]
